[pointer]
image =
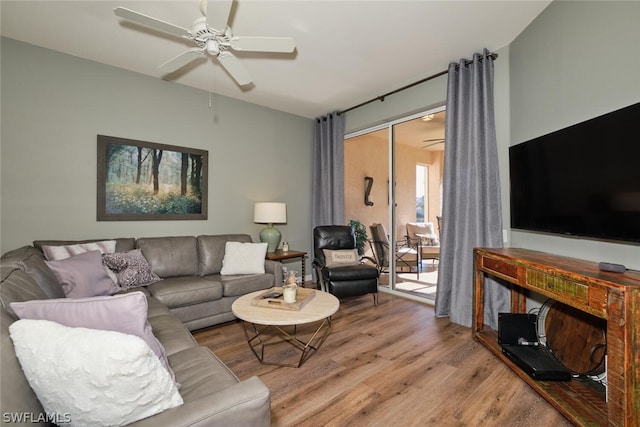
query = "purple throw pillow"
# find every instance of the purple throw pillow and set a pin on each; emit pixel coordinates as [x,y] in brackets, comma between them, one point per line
[125,313]
[83,275]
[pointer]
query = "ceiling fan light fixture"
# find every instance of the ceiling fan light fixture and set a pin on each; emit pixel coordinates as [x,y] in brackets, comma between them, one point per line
[212,47]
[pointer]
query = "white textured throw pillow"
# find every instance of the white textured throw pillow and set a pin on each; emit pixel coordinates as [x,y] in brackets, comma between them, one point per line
[243,258]
[92,377]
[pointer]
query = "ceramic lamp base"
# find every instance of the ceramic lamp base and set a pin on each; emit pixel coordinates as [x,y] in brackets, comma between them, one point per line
[271,236]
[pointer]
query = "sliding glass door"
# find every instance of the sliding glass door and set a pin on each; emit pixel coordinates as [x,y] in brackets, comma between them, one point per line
[392,177]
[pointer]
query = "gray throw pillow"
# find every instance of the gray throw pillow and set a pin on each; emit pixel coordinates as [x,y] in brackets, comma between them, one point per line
[83,275]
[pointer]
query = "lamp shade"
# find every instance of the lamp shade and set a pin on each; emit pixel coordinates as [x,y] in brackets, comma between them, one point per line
[270,213]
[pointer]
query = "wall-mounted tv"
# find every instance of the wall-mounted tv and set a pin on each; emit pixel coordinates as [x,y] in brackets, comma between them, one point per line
[582,181]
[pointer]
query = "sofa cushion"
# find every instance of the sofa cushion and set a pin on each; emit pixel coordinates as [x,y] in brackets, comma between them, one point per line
[352,272]
[171,333]
[125,313]
[154,306]
[203,315]
[212,397]
[201,372]
[17,286]
[92,377]
[211,251]
[185,290]
[243,284]
[37,268]
[171,256]
[243,258]
[131,268]
[83,275]
[31,261]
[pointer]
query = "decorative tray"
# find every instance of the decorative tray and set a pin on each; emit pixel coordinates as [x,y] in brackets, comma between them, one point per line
[303,296]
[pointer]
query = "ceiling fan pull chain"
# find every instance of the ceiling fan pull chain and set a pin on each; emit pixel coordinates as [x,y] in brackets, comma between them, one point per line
[211,84]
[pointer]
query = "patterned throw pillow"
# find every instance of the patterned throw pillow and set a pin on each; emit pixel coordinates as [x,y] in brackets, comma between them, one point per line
[132,268]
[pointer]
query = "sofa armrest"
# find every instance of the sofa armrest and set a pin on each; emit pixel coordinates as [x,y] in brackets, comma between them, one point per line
[275,268]
[247,403]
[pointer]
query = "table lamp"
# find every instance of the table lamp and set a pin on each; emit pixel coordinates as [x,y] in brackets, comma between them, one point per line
[270,213]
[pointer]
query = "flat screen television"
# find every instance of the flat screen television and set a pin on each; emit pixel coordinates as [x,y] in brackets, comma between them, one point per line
[581,181]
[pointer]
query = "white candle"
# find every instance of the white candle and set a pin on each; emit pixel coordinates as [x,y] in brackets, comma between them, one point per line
[290,294]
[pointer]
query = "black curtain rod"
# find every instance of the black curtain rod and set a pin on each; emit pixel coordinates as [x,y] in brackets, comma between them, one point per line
[381,98]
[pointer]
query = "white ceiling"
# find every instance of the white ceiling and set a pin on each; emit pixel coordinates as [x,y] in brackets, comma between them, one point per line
[347,51]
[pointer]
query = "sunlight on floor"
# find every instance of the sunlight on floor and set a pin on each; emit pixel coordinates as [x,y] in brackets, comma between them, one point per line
[423,285]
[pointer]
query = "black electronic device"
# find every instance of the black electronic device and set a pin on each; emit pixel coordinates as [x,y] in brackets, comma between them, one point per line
[519,340]
[272,295]
[583,180]
[536,363]
[615,268]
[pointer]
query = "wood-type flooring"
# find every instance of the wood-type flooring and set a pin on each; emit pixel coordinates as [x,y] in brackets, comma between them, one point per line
[394,364]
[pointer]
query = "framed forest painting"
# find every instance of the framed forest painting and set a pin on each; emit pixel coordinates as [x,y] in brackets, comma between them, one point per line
[141,181]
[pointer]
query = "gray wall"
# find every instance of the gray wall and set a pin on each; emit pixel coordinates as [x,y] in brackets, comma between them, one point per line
[54,105]
[576,61]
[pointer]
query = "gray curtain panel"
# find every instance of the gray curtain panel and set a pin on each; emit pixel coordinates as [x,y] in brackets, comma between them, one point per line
[327,205]
[471,206]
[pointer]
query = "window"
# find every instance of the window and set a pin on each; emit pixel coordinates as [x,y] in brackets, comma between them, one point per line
[422,192]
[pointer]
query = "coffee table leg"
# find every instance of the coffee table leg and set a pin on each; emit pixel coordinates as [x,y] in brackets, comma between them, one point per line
[255,333]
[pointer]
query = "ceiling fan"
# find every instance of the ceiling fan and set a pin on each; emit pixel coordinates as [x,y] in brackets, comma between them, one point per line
[432,142]
[211,35]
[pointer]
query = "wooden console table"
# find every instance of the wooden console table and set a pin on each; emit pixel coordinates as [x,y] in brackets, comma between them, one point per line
[614,297]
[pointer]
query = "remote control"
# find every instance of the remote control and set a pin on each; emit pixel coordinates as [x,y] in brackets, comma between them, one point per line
[615,268]
[273,295]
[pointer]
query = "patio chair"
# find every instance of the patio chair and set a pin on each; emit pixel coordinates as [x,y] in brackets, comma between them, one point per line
[406,255]
[423,235]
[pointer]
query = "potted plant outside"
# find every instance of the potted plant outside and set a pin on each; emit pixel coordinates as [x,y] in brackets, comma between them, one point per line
[361,235]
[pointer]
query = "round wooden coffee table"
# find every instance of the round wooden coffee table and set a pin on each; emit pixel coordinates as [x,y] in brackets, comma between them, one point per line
[266,326]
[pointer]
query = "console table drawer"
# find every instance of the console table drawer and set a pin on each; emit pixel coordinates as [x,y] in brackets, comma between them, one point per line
[577,292]
[500,267]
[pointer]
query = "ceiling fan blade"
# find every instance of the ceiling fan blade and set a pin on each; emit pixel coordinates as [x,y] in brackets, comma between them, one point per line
[150,22]
[230,63]
[432,142]
[218,12]
[181,60]
[263,44]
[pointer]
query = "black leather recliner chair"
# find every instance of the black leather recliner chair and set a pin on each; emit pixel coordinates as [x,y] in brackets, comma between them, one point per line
[342,281]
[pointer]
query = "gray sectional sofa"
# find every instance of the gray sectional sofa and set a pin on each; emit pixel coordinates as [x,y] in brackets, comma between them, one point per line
[191,295]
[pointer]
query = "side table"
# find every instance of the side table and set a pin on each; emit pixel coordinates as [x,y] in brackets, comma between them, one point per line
[280,255]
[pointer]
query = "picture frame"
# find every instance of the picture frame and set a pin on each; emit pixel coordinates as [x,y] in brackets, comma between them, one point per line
[147,181]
